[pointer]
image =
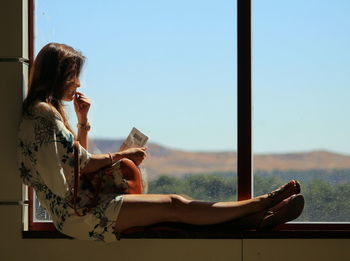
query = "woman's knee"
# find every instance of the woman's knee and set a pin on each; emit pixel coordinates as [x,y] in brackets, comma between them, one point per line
[128,164]
[132,175]
[129,169]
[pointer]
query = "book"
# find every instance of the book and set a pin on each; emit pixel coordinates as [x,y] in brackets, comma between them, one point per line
[135,139]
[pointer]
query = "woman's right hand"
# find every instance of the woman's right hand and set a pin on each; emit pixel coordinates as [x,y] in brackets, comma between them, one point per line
[137,155]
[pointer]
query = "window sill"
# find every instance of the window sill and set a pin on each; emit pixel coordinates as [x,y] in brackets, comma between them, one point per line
[184,231]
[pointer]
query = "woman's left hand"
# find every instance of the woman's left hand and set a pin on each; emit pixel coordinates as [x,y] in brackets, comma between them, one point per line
[137,155]
[81,106]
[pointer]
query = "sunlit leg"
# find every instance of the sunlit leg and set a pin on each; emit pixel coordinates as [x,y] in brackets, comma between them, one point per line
[147,209]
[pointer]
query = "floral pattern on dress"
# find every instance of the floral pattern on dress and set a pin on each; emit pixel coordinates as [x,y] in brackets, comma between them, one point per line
[29,149]
[37,132]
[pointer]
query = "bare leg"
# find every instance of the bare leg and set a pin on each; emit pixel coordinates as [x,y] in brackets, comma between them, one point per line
[147,209]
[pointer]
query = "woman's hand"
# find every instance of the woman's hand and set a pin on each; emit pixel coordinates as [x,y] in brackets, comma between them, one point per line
[137,155]
[81,106]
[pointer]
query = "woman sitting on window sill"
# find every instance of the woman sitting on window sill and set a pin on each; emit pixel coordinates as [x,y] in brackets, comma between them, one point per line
[46,162]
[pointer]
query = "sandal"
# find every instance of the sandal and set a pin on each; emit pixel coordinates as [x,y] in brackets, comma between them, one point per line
[283,212]
[287,210]
[283,192]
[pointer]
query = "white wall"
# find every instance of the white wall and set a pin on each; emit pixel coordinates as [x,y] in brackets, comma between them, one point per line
[13,31]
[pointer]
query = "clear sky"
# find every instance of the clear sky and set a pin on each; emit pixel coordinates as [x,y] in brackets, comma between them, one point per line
[169,69]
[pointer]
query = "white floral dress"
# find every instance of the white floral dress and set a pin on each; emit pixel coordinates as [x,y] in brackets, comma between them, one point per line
[46,163]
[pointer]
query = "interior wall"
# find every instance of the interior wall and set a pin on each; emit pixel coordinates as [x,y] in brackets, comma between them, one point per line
[13,82]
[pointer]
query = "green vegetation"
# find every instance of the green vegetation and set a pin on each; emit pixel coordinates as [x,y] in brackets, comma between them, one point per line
[200,187]
[327,193]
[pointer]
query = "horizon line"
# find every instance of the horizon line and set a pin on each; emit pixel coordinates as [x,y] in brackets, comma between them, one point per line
[228,150]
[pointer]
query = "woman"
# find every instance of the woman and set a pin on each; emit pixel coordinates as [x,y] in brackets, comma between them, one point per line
[46,161]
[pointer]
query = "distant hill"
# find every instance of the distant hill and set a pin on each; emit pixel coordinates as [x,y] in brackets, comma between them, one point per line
[163,160]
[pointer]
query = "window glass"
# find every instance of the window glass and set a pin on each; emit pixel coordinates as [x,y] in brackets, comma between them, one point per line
[40,214]
[301,64]
[167,68]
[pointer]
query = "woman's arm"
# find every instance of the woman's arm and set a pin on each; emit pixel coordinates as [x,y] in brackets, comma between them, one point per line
[98,161]
[83,136]
[82,105]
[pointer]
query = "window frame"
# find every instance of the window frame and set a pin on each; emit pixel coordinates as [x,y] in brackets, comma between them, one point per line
[244,155]
[33,226]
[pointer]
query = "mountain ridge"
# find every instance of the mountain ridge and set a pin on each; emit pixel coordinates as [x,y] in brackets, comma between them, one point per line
[177,162]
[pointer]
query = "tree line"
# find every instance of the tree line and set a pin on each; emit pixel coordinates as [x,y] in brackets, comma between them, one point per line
[327,193]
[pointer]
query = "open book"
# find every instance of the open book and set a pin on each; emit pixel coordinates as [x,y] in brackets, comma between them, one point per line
[135,139]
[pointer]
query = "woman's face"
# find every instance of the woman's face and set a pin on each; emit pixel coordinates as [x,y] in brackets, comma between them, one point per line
[70,89]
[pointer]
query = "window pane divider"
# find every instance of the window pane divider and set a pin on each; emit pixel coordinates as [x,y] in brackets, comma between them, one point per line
[244,101]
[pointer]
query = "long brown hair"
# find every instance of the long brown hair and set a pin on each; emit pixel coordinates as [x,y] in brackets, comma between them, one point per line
[54,66]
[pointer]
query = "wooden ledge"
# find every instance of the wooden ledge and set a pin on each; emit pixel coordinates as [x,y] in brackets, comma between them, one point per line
[170,230]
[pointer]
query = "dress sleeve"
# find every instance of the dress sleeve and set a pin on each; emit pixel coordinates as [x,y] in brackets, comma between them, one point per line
[55,157]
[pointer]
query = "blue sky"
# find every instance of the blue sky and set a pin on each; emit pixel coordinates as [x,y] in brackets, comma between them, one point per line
[169,69]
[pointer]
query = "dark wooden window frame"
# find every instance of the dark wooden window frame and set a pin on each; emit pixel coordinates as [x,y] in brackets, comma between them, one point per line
[244,166]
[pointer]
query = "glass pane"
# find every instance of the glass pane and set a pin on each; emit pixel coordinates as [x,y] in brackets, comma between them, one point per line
[167,68]
[301,102]
[39,212]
